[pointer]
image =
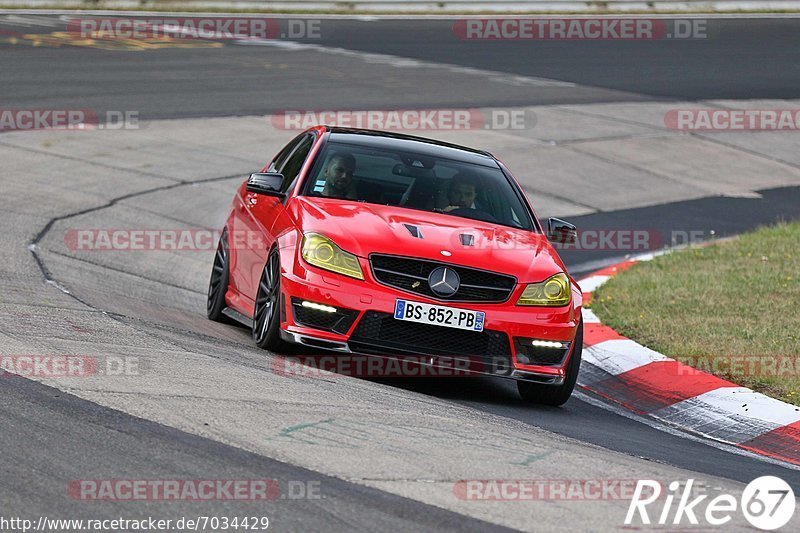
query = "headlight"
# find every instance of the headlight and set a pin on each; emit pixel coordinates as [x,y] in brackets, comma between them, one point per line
[323,253]
[552,292]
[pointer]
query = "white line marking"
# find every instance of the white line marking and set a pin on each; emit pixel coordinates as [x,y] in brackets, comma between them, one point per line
[672,430]
[741,402]
[591,283]
[17,20]
[621,355]
[589,317]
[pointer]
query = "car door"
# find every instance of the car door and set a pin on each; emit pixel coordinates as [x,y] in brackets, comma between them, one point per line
[261,212]
[240,257]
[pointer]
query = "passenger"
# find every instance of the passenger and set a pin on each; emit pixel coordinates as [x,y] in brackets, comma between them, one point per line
[338,174]
[462,192]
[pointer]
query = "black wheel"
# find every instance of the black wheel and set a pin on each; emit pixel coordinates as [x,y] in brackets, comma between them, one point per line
[266,319]
[218,285]
[556,395]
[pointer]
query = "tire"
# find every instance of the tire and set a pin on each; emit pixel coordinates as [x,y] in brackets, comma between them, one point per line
[218,284]
[266,316]
[556,395]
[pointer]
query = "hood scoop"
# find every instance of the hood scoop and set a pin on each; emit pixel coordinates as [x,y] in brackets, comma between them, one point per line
[414,231]
[467,239]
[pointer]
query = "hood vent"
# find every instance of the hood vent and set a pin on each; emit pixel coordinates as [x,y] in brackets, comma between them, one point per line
[414,231]
[466,239]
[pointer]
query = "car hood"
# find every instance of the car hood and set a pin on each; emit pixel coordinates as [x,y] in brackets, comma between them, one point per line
[363,229]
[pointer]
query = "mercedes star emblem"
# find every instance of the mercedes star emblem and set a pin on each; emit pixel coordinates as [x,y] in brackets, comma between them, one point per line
[444,281]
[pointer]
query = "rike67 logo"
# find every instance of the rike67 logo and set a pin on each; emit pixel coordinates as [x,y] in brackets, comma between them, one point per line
[767,503]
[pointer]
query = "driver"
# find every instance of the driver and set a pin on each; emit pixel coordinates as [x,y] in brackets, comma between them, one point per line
[338,174]
[462,192]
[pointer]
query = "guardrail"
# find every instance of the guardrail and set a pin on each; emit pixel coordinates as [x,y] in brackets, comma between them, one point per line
[425,6]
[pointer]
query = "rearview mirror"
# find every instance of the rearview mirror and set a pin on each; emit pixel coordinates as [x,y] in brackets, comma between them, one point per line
[561,231]
[412,172]
[268,183]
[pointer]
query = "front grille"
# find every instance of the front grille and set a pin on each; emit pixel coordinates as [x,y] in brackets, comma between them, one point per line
[412,275]
[338,322]
[383,334]
[538,355]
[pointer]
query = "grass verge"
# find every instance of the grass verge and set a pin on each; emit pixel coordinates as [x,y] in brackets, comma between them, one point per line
[731,308]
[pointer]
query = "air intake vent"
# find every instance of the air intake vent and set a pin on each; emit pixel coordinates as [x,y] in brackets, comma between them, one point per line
[414,231]
[466,239]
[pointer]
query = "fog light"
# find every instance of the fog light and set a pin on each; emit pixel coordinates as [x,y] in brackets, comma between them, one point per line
[540,352]
[318,307]
[547,344]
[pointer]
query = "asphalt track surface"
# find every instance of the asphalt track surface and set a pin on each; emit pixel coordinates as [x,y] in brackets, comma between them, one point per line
[749,58]
[52,438]
[738,58]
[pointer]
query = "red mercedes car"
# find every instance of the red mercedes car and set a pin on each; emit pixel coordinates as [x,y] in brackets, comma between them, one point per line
[388,245]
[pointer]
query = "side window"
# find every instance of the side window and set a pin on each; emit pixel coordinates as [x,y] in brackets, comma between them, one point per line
[280,159]
[290,168]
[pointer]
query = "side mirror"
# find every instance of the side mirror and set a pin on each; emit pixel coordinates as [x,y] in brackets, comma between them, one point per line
[268,183]
[561,231]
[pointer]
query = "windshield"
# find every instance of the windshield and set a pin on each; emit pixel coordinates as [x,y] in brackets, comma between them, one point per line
[413,181]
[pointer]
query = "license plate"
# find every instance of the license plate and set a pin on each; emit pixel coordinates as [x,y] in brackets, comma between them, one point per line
[439,315]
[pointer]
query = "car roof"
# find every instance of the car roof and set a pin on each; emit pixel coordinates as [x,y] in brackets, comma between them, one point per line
[410,143]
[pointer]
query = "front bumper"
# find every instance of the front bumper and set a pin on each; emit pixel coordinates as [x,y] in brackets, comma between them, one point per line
[505,327]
